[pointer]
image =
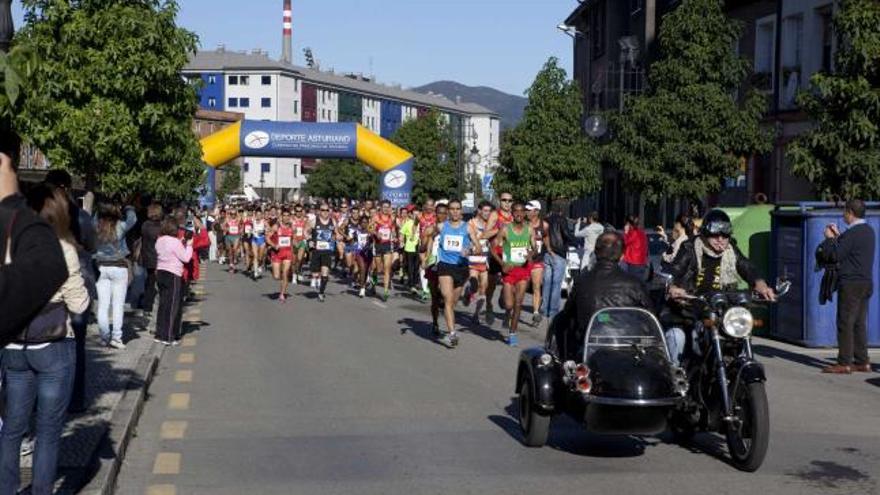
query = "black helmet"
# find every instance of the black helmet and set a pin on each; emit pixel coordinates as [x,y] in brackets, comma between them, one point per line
[716,222]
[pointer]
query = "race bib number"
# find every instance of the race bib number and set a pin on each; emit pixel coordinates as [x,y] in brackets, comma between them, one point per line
[363,239]
[453,243]
[299,232]
[384,234]
[248,229]
[322,245]
[477,260]
[233,230]
[518,255]
[284,242]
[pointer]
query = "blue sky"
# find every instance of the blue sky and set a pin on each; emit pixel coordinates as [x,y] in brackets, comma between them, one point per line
[498,43]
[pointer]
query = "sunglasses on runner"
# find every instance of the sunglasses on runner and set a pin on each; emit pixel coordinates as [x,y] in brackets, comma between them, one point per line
[506,200]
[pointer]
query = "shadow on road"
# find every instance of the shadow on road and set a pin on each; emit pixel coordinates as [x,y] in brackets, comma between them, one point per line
[873,381]
[772,352]
[568,436]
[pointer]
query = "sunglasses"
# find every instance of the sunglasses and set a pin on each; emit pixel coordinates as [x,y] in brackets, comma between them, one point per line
[324,209]
[506,200]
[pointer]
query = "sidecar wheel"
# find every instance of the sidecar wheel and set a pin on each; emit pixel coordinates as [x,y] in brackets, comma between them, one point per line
[749,441]
[535,426]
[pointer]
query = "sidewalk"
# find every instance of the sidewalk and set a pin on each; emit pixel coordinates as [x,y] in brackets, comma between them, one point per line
[93,442]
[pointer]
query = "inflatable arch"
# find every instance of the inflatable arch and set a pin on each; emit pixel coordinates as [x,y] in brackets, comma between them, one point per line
[315,140]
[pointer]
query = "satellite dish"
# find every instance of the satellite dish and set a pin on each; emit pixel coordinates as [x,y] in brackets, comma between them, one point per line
[595,126]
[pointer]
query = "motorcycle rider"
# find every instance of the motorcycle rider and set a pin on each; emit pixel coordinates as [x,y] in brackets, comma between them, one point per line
[607,285]
[709,263]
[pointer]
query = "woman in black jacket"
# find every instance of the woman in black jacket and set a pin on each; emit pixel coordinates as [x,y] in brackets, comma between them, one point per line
[149,234]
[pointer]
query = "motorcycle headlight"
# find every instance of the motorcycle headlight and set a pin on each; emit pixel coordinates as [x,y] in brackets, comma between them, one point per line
[738,322]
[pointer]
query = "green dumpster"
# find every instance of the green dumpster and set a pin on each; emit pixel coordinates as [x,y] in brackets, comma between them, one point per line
[751,231]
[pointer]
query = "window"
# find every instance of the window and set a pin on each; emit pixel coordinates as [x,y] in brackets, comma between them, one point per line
[232,103]
[266,102]
[323,96]
[323,113]
[598,24]
[244,80]
[212,79]
[233,80]
[212,102]
[266,80]
[244,102]
[793,33]
[827,36]
[265,168]
[635,6]
[246,168]
[765,54]
[295,106]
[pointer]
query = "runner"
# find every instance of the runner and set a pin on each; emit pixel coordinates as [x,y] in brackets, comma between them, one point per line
[409,239]
[430,239]
[517,245]
[383,229]
[479,264]
[350,244]
[246,240]
[300,225]
[232,229]
[457,241]
[341,217]
[501,218]
[220,234]
[541,240]
[281,240]
[258,242]
[362,252]
[324,235]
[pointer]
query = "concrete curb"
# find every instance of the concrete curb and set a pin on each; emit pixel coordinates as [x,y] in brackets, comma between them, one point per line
[107,459]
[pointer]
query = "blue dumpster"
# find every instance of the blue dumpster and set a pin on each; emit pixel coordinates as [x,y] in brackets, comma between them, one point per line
[796,232]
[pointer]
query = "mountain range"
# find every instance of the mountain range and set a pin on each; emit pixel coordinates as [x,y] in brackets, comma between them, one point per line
[509,107]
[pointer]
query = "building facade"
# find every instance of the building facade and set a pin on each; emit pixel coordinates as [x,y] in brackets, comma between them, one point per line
[261,88]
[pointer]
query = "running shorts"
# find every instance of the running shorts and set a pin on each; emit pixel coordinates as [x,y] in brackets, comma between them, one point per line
[382,249]
[232,240]
[283,255]
[321,259]
[259,240]
[459,273]
[518,274]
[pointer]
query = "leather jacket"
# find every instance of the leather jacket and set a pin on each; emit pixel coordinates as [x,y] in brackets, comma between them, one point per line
[607,286]
[684,267]
[560,236]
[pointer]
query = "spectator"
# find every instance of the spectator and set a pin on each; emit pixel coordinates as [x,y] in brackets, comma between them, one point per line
[681,233]
[32,265]
[113,265]
[635,254]
[149,235]
[171,256]
[43,370]
[854,252]
[83,231]
[555,261]
[589,229]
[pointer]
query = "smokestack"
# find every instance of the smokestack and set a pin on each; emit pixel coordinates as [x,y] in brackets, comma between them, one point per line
[286,45]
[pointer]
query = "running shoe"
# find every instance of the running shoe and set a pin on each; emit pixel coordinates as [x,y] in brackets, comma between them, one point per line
[512,340]
[362,293]
[467,296]
[424,295]
[321,297]
[175,343]
[282,298]
[386,295]
[536,319]
[490,316]
[294,279]
[117,344]
[450,340]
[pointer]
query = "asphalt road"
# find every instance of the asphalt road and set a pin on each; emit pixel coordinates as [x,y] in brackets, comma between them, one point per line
[353,396]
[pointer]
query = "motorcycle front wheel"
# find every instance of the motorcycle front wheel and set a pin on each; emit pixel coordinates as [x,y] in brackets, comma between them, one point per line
[749,438]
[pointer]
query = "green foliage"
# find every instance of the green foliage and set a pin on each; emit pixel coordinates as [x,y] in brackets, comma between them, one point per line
[342,179]
[231,180]
[687,133]
[108,101]
[17,70]
[427,138]
[841,155]
[546,155]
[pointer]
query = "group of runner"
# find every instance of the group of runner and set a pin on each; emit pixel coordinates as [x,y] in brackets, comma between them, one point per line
[437,253]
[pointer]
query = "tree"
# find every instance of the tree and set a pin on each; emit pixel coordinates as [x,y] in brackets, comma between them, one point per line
[430,141]
[342,179]
[686,133]
[108,100]
[841,155]
[547,155]
[231,180]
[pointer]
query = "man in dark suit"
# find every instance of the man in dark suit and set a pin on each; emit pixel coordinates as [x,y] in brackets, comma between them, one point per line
[854,252]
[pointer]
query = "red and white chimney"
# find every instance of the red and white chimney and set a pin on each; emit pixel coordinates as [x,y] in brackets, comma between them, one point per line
[287,42]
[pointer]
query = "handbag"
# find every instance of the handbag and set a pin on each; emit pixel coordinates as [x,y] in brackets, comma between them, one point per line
[50,324]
